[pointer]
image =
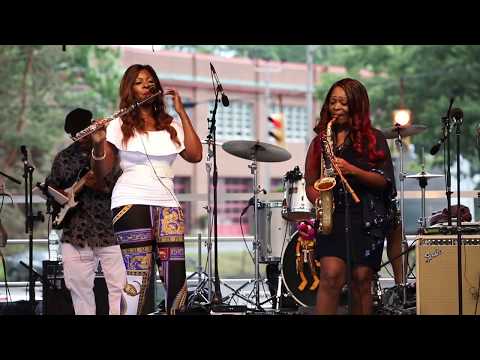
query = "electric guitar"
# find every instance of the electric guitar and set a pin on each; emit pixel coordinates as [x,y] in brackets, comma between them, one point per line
[71,192]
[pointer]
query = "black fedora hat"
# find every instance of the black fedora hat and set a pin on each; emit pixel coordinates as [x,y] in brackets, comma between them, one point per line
[77,120]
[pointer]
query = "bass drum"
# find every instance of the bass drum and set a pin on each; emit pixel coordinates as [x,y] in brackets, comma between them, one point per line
[292,280]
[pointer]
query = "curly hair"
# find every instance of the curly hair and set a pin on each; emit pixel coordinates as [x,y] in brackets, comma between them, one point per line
[359,111]
[133,121]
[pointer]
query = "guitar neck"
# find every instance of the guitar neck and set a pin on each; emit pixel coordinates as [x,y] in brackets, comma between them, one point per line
[80,183]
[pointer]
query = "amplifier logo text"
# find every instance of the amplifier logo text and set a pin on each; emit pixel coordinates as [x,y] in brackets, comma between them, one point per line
[429,256]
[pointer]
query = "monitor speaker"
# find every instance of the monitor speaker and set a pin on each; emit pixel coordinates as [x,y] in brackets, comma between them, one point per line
[437,275]
[56,297]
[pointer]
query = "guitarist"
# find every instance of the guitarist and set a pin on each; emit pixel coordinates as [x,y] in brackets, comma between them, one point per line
[87,228]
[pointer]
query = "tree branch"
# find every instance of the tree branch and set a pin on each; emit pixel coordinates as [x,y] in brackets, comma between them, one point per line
[21,123]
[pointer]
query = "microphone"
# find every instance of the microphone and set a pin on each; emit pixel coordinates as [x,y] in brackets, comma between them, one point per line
[23,149]
[436,147]
[450,106]
[456,114]
[225,100]
[250,203]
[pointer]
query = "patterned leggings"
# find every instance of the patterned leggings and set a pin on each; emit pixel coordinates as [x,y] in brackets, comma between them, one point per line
[139,228]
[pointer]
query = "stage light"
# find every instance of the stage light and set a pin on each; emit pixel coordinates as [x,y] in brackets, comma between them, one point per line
[401,117]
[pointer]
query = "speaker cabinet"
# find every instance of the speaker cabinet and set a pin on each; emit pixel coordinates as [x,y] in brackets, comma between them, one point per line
[437,274]
[56,297]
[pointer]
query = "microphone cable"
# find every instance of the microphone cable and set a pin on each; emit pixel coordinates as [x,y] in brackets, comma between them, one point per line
[158,177]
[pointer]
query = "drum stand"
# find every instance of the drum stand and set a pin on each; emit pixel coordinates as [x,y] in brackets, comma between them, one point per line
[422,182]
[255,151]
[401,176]
[256,244]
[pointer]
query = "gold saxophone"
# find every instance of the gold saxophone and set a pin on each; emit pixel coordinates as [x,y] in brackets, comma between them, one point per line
[325,205]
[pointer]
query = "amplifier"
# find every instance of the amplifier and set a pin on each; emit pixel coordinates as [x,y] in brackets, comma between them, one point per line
[437,274]
[56,297]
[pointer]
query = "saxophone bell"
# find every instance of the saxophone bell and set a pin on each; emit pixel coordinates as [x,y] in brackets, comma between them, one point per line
[325,205]
[325,184]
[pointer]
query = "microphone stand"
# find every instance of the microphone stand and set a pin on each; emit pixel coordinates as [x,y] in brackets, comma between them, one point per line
[446,138]
[458,123]
[10,178]
[29,222]
[217,296]
[446,130]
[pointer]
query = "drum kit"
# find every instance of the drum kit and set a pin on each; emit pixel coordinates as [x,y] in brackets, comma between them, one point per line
[273,242]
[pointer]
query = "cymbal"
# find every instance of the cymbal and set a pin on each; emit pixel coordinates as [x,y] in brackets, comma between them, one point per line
[424,175]
[405,131]
[263,152]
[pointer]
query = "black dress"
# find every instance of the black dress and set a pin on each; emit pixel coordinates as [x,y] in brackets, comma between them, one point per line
[368,219]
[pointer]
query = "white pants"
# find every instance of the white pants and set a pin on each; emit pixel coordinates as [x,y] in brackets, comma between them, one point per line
[79,266]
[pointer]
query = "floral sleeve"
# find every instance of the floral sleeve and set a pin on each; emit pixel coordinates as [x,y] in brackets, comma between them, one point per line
[57,176]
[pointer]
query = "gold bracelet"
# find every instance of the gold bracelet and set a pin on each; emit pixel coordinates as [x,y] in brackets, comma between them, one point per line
[100,157]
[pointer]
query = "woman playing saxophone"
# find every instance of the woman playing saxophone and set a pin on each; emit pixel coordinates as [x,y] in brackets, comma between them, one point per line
[362,167]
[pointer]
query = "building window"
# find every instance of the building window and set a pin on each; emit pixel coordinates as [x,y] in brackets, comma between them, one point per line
[234,122]
[182,185]
[229,211]
[276,185]
[296,122]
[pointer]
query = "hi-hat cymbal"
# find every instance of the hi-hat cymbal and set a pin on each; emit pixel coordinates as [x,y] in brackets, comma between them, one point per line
[405,131]
[262,152]
[424,175]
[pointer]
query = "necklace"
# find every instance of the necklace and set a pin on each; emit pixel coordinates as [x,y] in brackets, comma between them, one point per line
[341,147]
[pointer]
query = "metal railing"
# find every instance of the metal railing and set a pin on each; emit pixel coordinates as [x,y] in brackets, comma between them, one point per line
[188,239]
[278,196]
[200,238]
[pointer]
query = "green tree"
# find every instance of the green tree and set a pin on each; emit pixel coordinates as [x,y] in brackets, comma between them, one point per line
[40,84]
[432,75]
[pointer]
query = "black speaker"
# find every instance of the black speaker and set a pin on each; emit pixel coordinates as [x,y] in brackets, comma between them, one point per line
[21,307]
[56,297]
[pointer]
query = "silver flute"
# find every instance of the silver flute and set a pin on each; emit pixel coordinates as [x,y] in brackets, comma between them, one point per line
[100,123]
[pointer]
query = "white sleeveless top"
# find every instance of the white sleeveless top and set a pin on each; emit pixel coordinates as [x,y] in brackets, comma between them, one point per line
[145,182]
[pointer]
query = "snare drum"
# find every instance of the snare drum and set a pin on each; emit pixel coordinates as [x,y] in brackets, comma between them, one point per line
[273,231]
[297,207]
